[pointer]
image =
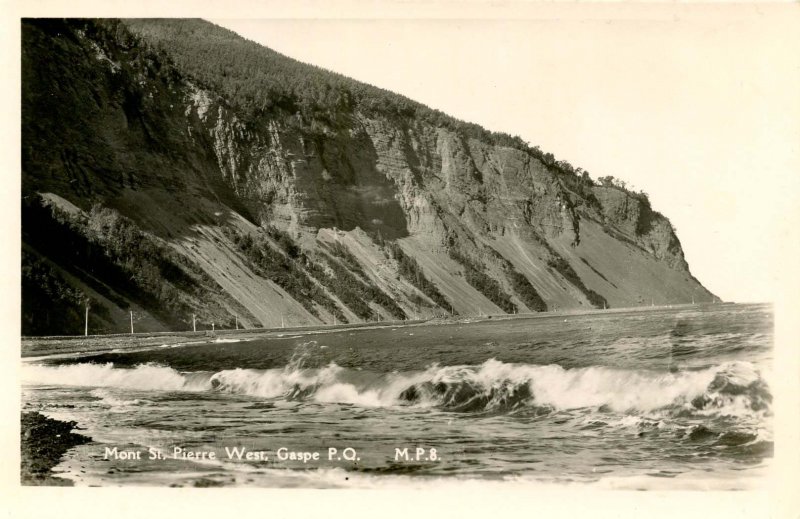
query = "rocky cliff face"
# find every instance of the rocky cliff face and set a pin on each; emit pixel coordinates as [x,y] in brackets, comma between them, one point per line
[292,219]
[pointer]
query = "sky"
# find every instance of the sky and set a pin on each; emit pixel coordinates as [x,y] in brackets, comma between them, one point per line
[697,107]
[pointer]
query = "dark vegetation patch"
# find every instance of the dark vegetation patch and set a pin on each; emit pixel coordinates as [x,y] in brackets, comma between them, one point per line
[351,262]
[526,291]
[50,305]
[356,293]
[283,267]
[67,97]
[647,216]
[284,241]
[349,289]
[579,183]
[644,224]
[482,282]
[301,276]
[560,265]
[519,283]
[410,270]
[104,249]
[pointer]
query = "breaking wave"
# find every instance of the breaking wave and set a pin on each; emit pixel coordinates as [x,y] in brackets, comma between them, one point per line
[734,388]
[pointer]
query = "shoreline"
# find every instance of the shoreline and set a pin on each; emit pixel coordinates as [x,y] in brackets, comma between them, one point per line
[34,348]
[285,414]
[43,442]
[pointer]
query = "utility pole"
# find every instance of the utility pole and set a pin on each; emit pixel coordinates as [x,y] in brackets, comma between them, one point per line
[131,322]
[86,321]
[237,321]
[194,322]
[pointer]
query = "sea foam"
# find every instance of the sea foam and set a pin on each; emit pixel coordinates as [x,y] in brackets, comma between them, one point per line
[733,388]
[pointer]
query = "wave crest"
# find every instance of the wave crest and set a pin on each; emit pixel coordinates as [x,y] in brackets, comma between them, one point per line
[734,388]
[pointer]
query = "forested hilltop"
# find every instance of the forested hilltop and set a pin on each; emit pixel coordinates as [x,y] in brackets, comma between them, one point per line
[171,168]
[259,82]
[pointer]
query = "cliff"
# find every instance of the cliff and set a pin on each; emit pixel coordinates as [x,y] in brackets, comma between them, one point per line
[246,187]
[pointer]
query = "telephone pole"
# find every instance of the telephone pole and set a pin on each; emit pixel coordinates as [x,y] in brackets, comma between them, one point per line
[194,322]
[131,322]
[86,321]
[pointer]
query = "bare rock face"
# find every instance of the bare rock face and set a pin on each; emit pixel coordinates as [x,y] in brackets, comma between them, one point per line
[634,218]
[292,218]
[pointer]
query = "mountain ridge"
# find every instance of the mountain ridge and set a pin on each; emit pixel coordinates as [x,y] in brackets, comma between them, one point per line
[146,188]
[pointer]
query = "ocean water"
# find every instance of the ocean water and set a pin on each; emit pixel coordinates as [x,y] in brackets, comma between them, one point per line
[661,398]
